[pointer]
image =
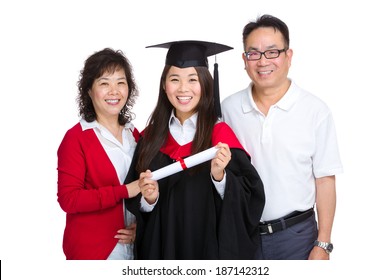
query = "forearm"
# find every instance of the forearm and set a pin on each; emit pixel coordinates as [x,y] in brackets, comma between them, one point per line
[326,206]
[73,199]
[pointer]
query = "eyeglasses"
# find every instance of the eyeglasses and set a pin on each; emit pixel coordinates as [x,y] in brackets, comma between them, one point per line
[269,54]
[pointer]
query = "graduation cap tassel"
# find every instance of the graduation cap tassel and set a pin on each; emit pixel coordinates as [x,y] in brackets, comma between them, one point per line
[217,102]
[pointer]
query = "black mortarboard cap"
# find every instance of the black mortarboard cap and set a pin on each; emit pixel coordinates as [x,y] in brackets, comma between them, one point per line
[192,53]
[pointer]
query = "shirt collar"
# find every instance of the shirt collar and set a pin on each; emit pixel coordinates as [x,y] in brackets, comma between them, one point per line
[88,125]
[248,104]
[285,103]
[173,120]
[91,125]
[289,99]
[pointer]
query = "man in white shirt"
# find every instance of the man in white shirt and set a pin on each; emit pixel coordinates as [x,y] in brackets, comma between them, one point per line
[290,135]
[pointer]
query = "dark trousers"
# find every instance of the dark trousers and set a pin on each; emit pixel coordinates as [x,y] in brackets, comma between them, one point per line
[293,243]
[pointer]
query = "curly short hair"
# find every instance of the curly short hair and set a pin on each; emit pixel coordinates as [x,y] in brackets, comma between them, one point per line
[106,60]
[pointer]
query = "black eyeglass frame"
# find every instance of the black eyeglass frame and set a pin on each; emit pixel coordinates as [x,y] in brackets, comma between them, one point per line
[264,53]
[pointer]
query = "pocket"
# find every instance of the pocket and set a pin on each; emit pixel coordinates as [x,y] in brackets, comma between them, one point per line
[306,228]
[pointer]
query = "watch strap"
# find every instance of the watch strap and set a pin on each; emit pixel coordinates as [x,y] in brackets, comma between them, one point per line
[327,246]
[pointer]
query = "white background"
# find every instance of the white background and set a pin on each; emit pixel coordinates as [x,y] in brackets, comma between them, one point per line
[341,54]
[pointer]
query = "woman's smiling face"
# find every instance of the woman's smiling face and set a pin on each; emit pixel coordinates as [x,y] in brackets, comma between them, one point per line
[183,91]
[109,94]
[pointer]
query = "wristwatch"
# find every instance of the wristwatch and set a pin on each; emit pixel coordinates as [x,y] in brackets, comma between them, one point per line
[328,247]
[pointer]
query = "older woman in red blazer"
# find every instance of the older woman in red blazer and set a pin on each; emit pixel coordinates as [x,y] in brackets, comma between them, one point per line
[93,159]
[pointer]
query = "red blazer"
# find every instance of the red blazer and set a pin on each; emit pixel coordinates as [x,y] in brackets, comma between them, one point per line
[90,193]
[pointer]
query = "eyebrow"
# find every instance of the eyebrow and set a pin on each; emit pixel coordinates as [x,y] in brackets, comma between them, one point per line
[105,78]
[273,46]
[177,75]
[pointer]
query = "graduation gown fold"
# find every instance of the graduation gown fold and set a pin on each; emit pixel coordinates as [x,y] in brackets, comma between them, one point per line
[190,219]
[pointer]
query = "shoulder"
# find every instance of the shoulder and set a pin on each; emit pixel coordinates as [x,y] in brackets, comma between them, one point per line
[74,131]
[222,132]
[309,98]
[235,97]
[135,132]
[237,104]
[70,138]
[77,136]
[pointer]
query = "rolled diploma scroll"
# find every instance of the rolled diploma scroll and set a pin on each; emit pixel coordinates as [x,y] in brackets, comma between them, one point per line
[188,163]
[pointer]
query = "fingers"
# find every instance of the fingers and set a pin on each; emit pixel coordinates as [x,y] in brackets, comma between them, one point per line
[127,235]
[223,155]
[145,179]
[149,188]
[221,160]
[150,193]
[132,226]
[146,183]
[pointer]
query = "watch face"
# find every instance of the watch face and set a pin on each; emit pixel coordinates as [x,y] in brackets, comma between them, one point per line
[328,247]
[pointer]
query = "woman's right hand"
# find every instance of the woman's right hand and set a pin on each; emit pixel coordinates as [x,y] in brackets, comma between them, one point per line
[133,188]
[149,188]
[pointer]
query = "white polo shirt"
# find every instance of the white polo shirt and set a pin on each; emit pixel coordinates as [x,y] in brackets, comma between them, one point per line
[290,147]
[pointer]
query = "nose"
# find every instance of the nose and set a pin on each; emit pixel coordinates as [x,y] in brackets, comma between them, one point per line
[262,60]
[114,89]
[183,87]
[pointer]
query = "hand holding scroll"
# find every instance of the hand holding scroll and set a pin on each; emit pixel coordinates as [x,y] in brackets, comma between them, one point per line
[149,187]
[220,161]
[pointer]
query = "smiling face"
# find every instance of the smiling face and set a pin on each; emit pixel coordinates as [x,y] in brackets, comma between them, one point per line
[267,73]
[183,91]
[109,94]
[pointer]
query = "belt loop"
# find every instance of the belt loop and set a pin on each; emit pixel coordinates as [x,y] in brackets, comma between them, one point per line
[270,228]
[283,223]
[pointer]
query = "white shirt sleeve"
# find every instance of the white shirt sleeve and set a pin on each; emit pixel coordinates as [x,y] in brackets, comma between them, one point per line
[220,186]
[145,206]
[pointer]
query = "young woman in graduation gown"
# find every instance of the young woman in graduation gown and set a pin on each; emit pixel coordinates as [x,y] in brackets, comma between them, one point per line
[209,211]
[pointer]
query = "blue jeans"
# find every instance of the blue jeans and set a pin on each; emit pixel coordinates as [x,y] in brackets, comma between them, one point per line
[293,243]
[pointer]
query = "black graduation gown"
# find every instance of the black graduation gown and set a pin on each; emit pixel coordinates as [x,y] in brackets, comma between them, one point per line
[190,220]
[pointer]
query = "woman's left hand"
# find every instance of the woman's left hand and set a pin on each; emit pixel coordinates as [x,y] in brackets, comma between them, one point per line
[127,235]
[220,161]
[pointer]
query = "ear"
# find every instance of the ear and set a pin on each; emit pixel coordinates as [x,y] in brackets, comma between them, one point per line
[245,61]
[289,54]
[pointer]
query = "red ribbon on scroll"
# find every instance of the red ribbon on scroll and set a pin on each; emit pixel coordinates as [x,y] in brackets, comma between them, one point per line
[182,163]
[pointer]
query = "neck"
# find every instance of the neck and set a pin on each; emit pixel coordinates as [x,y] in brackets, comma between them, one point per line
[266,97]
[112,126]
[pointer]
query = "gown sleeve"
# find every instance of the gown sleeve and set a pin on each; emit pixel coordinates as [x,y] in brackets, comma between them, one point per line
[241,209]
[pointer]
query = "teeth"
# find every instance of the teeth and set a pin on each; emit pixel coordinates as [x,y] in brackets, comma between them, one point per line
[112,101]
[264,72]
[184,98]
